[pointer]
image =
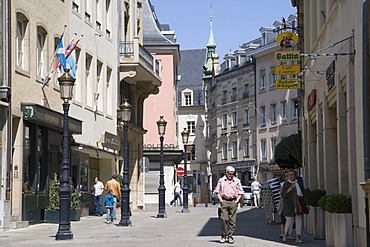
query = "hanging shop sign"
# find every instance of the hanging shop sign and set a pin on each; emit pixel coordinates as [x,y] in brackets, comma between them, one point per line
[287,69]
[287,84]
[287,55]
[287,39]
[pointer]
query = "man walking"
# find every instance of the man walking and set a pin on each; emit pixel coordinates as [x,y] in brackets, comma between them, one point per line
[256,189]
[177,191]
[114,185]
[229,192]
[98,197]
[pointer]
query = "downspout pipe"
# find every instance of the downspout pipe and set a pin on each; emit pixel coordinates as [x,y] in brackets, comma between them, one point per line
[365,92]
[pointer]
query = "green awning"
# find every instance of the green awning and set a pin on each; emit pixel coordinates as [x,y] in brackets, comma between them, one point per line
[289,151]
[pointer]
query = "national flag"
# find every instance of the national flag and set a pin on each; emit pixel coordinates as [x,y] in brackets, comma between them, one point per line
[71,61]
[61,52]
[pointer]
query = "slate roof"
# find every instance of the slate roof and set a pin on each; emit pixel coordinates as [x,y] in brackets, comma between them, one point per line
[191,68]
[152,28]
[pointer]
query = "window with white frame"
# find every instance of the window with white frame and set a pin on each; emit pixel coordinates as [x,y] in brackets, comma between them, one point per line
[263,116]
[246,117]
[191,153]
[263,149]
[283,111]
[224,151]
[224,121]
[262,79]
[191,126]
[246,148]
[235,149]
[187,99]
[99,96]
[109,18]
[22,49]
[294,109]
[246,91]
[99,14]
[272,78]
[88,10]
[234,119]
[109,98]
[273,145]
[89,86]
[77,95]
[41,54]
[273,114]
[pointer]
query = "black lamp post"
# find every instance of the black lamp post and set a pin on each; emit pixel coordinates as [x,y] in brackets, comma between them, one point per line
[185,188]
[66,83]
[125,116]
[161,123]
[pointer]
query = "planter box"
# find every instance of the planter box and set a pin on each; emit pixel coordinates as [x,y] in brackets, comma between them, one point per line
[53,216]
[343,234]
[311,221]
[329,229]
[319,226]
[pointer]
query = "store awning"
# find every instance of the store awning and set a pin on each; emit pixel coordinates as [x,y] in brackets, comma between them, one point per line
[289,151]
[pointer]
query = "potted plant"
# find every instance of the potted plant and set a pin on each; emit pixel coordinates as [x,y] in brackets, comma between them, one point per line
[338,219]
[52,211]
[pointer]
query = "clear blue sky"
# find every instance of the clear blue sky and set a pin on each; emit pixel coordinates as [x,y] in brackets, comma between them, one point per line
[234,21]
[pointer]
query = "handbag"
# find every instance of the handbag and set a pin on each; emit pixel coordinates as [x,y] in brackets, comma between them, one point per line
[302,207]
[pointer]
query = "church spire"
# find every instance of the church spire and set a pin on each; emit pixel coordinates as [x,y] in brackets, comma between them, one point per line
[211,63]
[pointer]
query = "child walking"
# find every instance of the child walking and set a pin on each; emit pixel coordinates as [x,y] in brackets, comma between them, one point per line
[109,202]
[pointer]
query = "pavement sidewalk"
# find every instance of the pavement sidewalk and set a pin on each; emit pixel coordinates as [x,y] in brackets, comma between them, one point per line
[200,227]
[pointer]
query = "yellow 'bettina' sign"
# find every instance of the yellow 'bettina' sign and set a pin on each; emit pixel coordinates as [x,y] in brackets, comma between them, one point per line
[287,69]
[287,84]
[287,55]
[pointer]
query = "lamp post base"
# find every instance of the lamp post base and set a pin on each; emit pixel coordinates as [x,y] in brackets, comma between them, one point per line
[126,222]
[162,215]
[64,236]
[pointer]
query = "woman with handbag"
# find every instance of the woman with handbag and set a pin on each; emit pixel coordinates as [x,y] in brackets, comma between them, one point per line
[291,192]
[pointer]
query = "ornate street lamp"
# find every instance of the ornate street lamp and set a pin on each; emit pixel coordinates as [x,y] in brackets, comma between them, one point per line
[185,188]
[125,116]
[161,123]
[66,83]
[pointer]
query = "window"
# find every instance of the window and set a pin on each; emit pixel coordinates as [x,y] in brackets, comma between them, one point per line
[234,94]
[263,149]
[273,114]
[283,111]
[234,119]
[263,116]
[76,5]
[246,148]
[224,121]
[294,109]
[191,127]
[22,49]
[262,80]
[224,96]
[235,149]
[246,91]
[88,81]
[99,95]
[246,117]
[77,95]
[273,145]
[190,153]
[187,99]
[41,56]
[109,20]
[109,92]
[224,151]
[88,10]
[99,14]
[272,76]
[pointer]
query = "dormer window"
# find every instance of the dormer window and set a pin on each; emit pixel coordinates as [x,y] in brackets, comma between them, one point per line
[187,97]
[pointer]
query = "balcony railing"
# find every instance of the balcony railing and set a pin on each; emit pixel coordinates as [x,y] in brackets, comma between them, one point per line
[133,51]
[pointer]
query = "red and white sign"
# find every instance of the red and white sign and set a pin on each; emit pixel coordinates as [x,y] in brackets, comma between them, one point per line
[180,171]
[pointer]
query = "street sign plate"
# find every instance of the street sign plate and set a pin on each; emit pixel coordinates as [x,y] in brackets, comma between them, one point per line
[287,69]
[180,171]
[287,84]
